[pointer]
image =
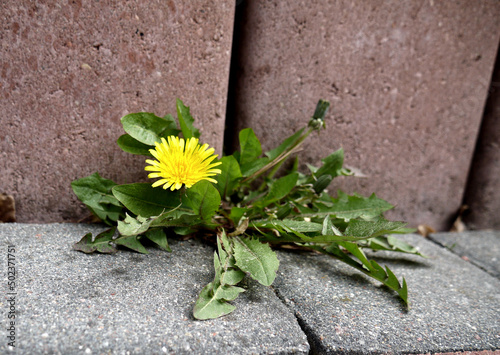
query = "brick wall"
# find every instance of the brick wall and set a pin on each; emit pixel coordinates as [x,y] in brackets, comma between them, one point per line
[408,83]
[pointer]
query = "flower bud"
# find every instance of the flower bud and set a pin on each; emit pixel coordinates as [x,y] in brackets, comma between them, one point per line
[322,183]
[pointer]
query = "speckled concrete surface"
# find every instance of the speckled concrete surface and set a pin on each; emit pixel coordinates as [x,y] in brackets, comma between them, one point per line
[128,303]
[70,302]
[479,247]
[455,306]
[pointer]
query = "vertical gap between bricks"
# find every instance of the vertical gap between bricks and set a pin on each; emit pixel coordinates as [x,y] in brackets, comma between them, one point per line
[230,134]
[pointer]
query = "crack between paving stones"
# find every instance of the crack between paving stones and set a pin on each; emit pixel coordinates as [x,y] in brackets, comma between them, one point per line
[471,261]
[315,345]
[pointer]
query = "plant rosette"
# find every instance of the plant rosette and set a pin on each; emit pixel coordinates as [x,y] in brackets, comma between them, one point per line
[239,204]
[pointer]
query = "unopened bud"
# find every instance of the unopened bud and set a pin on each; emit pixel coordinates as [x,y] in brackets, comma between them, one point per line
[284,211]
[322,183]
[318,119]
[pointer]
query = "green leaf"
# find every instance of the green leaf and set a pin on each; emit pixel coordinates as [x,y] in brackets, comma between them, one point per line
[142,199]
[101,243]
[133,146]
[159,237]
[370,229]
[316,233]
[208,306]
[250,148]
[257,259]
[289,225]
[228,292]
[212,301]
[287,143]
[173,218]
[390,243]
[279,189]
[350,207]
[332,165]
[186,121]
[184,222]
[231,277]
[95,192]
[133,226]
[131,242]
[370,268]
[250,168]
[147,128]
[203,198]
[229,177]
[236,214]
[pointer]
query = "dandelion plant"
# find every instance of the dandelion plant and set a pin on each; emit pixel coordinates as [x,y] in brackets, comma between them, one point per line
[247,204]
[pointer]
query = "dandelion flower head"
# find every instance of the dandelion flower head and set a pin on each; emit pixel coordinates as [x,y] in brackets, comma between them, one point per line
[181,162]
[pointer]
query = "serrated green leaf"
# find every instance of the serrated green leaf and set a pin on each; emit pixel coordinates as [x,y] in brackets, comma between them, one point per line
[142,199]
[250,148]
[101,243]
[147,128]
[131,226]
[228,179]
[203,198]
[131,242]
[351,207]
[390,243]
[358,253]
[212,301]
[363,229]
[186,121]
[369,267]
[159,237]
[329,228]
[133,146]
[256,259]
[95,192]
[289,225]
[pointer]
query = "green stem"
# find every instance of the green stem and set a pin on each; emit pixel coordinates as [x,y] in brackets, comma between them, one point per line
[280,158]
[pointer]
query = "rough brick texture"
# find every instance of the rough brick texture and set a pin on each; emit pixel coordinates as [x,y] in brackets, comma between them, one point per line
[70,70]
[407,82]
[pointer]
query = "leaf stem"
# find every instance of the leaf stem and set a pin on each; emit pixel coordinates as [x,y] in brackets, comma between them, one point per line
[280,158]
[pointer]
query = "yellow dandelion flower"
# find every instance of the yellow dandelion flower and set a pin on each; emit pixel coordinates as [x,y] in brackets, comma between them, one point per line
[181,162]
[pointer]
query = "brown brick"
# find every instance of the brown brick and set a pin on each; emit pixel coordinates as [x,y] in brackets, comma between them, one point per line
[407,82]
[483,189]
[71,70]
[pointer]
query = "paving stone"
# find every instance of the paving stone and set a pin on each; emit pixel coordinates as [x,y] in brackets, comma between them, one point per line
[482,248]
[68,302]
[455,306]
